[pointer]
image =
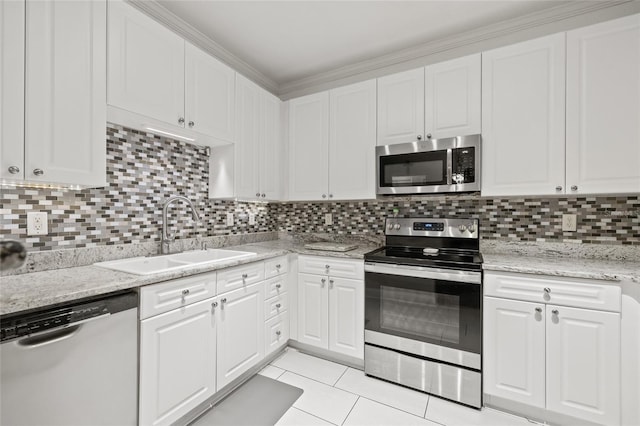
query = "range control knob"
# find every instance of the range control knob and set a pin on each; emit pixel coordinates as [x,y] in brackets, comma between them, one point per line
[462,228]
[390,226]
[396,226]
[471,228]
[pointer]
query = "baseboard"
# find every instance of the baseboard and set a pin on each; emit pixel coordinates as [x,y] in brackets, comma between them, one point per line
[328,355]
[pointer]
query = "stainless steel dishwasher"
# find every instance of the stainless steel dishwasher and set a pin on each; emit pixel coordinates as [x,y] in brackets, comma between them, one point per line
[71,365]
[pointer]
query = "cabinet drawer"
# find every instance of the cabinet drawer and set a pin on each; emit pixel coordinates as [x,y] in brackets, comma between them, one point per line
[344,268]
[276,305]
[578,292]
[238,276]
[276,266]
[158,298]
[275,286]
[276,332]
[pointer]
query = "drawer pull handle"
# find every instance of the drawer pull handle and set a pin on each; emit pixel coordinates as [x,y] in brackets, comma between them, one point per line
[327,266]
[278,266]
[547,290]
[278,306]
[323,281]
[214,305]
[278,285]
[539,310]
[555,312]
[278,333]
[185,292]
[330,283]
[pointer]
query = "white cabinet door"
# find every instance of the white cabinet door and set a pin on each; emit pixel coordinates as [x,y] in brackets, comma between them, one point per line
[523,117]
[308,147]
[583,364]
[603,107]
[313,310]
[146,65]
[177,362]
[452,98]
[401,107]
[352,141]
[240,332]
[346,316]
[271,150]
[12,16]
[514,350]
[247,138]
[65,87]
[210,95]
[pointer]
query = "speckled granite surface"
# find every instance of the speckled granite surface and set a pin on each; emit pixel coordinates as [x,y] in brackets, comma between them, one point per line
[38,289]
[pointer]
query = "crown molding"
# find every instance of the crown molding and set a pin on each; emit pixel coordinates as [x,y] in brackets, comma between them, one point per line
[185,30]
[410,56]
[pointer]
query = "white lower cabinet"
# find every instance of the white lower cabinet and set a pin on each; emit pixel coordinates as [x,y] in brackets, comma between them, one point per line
[276,333]
[177,362]
[240,315]
[562,359]
[331,307]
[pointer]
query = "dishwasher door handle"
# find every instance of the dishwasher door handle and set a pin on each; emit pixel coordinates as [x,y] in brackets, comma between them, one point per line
[46,338]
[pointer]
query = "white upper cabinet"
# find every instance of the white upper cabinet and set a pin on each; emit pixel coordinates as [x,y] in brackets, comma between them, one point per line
[401,107]
[452,98]
[308,147]
[12,16]
[603,107]
[247,139]
[210,94]
[65,88]
[523,118]
[271,150]
[146,66]
[352,141]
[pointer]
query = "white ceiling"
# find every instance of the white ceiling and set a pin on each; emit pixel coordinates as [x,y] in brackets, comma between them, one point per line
[290,40]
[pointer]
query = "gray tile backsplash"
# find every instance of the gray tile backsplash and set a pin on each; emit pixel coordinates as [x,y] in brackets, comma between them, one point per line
[143,170]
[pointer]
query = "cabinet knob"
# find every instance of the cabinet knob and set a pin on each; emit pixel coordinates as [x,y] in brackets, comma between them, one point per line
[330,195]
[38,172]
[547,290]
[191,124]
[181,120]
[263,195]
[278,333]
[330,283]
[539,310]
[555,312]
[244,276]
[323,281]
[14,170]
[574,187]
[419,137]
[278,266]
[558,188]
[257,194]
[428,135]
[327,266]
[214,305]
[224,300]
[185,291]
[324,195]
[278,285]
[278,305]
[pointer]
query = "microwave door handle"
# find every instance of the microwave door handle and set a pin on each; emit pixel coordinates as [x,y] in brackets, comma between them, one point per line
[449,166]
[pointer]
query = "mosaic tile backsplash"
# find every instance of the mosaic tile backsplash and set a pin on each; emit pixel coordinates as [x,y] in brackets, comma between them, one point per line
[143,170]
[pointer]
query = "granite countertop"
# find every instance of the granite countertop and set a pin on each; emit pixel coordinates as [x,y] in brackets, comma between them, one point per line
[39,289]
[598,269]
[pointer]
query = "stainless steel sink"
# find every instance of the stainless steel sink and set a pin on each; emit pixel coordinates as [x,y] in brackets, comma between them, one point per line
[172,262]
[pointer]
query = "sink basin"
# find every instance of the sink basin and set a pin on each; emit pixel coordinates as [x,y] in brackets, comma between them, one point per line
[172,262]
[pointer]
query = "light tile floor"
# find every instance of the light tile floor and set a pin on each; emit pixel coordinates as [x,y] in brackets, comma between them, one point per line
[338,395]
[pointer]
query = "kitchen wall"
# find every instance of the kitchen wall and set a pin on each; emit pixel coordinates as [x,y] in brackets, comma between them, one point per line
[143,170]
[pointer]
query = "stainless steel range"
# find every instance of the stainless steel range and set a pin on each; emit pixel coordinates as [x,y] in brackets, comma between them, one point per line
[423,308]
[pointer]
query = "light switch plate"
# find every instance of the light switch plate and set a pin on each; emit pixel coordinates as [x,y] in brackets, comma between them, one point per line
[569,223]
[252,219]
[37,223]
[229,219]
[328,219]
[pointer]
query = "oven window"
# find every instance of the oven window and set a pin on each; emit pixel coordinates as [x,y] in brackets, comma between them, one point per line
[415,169]
[432,316]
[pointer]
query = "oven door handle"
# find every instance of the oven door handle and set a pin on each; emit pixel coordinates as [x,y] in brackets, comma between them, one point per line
[422,272]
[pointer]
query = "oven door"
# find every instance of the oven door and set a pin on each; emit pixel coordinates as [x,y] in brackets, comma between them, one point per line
[429,312]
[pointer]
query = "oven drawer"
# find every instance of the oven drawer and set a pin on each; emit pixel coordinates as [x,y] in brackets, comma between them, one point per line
[319,265]
[577,292]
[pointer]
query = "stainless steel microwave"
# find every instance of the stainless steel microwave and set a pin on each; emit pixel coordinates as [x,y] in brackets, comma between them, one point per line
[431,166]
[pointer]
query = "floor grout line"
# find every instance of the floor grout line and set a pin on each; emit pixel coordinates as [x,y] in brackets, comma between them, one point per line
[341,376]
[311,414]
[427,407]
[352,407]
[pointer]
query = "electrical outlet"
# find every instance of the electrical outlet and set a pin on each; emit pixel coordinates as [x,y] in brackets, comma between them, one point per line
[569,222]
[252,219]
[328,219]
[37,223]
[229,219]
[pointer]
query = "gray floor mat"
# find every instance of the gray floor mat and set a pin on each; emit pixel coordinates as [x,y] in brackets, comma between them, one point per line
[261,401]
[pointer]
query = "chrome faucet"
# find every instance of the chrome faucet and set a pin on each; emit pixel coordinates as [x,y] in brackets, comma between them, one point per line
[166,237]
